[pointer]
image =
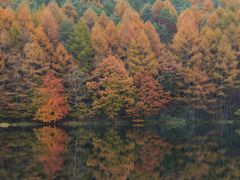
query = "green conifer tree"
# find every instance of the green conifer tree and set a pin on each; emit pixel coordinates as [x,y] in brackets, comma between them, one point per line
[79,44]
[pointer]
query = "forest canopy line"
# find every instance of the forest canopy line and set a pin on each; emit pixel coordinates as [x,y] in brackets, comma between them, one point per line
[119,58]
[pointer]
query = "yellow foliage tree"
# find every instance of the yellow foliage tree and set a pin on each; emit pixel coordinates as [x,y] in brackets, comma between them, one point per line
[111,88]
[140,56]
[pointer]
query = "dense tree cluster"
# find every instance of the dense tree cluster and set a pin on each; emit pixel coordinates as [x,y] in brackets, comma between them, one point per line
[115,58]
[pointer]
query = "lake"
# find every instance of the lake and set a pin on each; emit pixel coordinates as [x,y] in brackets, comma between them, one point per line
[194,151]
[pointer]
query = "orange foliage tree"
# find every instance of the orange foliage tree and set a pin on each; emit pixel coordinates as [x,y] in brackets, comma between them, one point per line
[112,37]
[49,24]
[24,16]
[154,39]
[53,105]
[193,87]
[112,89]
[62,61]
[150,96]
[99,42]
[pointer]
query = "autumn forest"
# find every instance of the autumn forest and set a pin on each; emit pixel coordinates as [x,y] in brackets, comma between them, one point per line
[133,59]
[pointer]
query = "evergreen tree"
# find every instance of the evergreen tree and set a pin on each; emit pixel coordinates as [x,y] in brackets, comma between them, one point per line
[79,44]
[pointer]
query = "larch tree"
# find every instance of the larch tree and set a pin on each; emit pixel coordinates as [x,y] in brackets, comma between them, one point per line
[112,37]
[193,85]
[56,11]
[16,94]
[100,44]
[121,7]
[49,24]
[208,5]
[168,70]
[62,61]
[111,88]
[51,101]
[187,37]
[140,56]
[103,20]
[41,38]
[127,32]
[35,64]
[220,63]
[79,44]
[159,4]
[153,38]
[125,12]
[70,12]
[90,18]
[233,36]
[24,16]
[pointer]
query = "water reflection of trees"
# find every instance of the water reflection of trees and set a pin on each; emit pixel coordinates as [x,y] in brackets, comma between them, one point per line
[52,144]
[144,154]
[118,153]
[79,149]
[112,157]
[16,155]
[150,153]
[204,157]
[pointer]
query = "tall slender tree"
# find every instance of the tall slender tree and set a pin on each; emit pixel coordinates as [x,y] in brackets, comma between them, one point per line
[140,56]
[79,44]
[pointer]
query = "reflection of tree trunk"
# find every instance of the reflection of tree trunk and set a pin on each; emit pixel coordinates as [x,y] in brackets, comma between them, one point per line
[75,158]
[221,97]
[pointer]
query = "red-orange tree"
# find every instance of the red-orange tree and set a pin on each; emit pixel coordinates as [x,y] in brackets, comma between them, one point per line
[53,105]
[150,96]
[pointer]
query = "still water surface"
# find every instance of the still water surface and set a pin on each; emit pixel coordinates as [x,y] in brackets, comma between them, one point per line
[196,151]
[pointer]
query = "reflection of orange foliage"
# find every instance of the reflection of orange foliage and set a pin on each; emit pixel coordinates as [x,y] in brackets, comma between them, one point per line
[52,143]
[152,152]
[112,158]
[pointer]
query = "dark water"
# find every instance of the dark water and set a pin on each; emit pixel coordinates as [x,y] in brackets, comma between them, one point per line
[197,151]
